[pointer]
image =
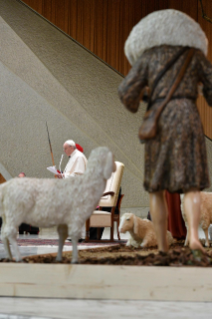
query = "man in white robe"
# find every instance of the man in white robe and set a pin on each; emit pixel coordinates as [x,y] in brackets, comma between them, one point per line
[77,162]
[76,166]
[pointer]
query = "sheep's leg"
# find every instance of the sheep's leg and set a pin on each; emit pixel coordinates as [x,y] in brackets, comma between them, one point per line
[144,243]
[12,238]
[74,259]
[131,242]
[206,238]
[14,244]
[5,242]
[134,243]
[63,234]
[128,242]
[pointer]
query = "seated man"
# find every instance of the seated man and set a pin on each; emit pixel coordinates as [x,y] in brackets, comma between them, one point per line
[77,162]
[75,166]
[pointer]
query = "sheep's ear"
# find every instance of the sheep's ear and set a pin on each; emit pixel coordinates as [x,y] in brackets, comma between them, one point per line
[108,169]
[135,227]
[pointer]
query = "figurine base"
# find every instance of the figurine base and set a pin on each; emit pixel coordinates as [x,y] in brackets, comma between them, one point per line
[105,282]
[121,282]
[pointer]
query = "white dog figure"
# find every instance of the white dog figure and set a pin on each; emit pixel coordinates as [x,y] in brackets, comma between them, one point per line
[205,215]
[142,233]
[44,203]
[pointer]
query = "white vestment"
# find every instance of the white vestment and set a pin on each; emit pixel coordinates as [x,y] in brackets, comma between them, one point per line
[76,164]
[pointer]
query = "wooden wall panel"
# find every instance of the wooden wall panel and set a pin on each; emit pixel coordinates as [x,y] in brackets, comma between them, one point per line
[189,7]
[102,26]
[204,109]
[37,5]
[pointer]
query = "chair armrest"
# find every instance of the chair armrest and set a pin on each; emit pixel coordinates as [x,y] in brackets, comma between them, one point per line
[108,193]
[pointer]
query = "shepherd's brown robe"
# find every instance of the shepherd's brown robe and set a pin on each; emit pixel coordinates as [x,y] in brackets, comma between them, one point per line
[175,160]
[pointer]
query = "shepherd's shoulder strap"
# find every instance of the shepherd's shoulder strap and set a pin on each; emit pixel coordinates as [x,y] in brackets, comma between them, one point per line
[163,71]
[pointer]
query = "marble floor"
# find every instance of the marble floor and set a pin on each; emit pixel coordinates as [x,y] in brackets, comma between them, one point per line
[43,308]
[36,308]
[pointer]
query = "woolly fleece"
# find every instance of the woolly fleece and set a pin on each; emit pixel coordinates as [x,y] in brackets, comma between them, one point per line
[170,27]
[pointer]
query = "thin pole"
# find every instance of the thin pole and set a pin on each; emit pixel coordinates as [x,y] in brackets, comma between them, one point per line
[50,145]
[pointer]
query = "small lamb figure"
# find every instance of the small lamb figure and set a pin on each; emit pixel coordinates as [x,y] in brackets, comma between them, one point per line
[205,215]
[44,203]
[141,231]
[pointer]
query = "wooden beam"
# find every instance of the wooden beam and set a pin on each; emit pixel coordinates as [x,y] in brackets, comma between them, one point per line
[105,282]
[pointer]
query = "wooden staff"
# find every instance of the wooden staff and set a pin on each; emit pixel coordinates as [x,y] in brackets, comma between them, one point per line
[50,146]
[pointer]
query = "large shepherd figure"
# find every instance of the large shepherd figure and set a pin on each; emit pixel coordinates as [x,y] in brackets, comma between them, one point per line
[175,159]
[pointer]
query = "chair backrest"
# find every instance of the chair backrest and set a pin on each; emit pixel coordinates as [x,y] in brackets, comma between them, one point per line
[113,185]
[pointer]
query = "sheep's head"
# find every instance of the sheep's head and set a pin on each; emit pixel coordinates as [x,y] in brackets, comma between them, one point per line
[104,160]
[127,223]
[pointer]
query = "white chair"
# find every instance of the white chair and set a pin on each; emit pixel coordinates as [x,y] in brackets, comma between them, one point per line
[109,199]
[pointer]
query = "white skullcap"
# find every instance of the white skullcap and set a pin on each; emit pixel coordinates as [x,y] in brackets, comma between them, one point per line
[70,143]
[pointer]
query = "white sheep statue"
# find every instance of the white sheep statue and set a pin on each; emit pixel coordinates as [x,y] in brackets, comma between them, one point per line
[141,231]
[44,203]
[205,215]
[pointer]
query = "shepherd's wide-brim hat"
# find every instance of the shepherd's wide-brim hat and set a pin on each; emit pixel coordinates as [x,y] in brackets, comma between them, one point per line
[170,27]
